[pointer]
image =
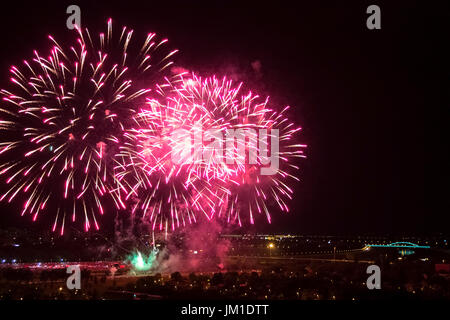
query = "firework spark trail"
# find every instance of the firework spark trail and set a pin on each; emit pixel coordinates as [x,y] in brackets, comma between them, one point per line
[64,120]
[197,183]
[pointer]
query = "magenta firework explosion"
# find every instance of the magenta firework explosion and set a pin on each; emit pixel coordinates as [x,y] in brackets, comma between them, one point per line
[265,182]
[63,121]
[240,129]
[164,186]
[202,147]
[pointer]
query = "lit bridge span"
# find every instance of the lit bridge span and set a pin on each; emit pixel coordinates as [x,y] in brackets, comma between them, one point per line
[397,245]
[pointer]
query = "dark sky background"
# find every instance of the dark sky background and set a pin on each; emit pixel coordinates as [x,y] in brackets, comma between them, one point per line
[373,103]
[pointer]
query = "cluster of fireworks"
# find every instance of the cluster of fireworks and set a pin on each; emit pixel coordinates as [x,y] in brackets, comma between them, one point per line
[105,121]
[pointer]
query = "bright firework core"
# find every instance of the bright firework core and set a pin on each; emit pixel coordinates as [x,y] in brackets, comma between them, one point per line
[141,262]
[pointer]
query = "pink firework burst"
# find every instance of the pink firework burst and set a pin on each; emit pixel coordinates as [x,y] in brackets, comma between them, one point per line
[64,118]
[200,141]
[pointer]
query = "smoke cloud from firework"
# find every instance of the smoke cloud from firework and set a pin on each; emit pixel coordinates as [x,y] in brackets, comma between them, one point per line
[184,252]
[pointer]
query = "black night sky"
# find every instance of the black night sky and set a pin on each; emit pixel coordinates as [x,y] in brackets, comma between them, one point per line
[373,103]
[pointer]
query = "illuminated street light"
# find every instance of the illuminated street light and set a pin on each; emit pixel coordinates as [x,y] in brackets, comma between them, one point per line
[270,246]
